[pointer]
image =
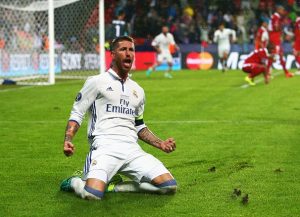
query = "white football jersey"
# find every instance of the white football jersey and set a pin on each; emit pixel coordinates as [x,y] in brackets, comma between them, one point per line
[115,108]
[163,42]
[223,37]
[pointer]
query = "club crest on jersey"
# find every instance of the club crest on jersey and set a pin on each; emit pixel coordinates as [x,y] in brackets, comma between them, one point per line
[94,162]
[78,97]
[109,89]
[135,93]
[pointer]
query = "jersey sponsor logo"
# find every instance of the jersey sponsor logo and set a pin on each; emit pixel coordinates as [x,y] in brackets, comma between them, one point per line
[119,109]
[119,22]
[123,108]
[78,97]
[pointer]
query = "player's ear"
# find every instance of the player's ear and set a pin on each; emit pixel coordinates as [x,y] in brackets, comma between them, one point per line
[112,54]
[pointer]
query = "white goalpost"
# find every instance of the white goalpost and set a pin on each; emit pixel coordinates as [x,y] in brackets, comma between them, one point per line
[42,41]
[102,36]
[51,31]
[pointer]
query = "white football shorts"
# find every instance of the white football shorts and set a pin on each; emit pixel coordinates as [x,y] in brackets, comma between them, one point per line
[103,165]
[223,49]
[165,56]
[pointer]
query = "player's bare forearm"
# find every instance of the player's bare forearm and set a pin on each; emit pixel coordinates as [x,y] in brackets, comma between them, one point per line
[147,136]
[71,130]
[158,50]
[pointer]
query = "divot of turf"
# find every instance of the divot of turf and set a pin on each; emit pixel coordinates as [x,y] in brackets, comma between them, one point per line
[245,199]
[212,169]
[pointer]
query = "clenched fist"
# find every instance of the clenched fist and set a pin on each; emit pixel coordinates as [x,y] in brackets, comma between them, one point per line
[168,145]
[69,148]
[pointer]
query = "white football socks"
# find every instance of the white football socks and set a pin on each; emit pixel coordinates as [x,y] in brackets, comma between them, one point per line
[131,186]
[78,186]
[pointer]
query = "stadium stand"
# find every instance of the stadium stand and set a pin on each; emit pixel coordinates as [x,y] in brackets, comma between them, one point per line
[194,21]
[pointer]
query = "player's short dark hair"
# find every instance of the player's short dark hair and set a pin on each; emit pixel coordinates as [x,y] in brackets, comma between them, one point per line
[263,20]
[222,23]
[121,12]
[280,6]
[115,41]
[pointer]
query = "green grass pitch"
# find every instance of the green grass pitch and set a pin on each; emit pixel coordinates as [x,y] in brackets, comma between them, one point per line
[227,137]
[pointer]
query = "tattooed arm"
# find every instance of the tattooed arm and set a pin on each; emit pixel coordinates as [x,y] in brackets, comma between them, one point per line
[147,136]
[71,130]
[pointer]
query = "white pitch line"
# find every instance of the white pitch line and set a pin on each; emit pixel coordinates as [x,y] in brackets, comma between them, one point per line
[260,80]
[17,88]
[208,121]
[32,86]
[152,121]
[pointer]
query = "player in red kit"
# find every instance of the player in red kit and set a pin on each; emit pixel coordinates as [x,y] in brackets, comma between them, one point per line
[262,36]
[275,32]
[257,63]
[297,42]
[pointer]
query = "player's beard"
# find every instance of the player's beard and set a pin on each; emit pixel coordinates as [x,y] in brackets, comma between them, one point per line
[122,69]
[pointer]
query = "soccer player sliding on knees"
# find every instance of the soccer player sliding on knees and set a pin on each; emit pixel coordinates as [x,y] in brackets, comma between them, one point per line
[115,105]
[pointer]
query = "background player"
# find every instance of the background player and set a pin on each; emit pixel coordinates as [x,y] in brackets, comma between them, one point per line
[223,37]
[297,42]
[119,26]
[116,105]
[262,35]
[257,63]
[162,44]
[275,34]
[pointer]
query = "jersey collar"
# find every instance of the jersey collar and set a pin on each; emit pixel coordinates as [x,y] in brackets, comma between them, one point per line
[264,28]
[277,14]
[115,75]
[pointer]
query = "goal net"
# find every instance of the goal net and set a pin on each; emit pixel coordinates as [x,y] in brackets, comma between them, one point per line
[26,47]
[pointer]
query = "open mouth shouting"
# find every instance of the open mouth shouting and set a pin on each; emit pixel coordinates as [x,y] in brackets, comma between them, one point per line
[127,63]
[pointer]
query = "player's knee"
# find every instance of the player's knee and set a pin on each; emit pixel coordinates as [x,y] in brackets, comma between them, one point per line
[168,187]
[92,194]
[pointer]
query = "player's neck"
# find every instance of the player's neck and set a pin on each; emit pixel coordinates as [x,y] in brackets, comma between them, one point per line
[122,74]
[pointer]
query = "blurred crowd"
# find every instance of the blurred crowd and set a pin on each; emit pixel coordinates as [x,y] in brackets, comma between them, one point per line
[194,21]
[190,21]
